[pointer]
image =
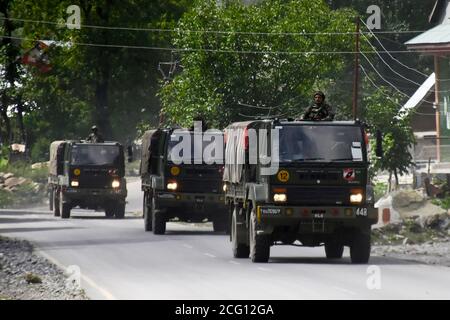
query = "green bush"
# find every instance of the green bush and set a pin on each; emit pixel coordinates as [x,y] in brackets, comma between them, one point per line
[380,190]
[6,199]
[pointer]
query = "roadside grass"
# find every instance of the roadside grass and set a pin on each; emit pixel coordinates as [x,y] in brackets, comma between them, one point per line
[27,193]
[23,169]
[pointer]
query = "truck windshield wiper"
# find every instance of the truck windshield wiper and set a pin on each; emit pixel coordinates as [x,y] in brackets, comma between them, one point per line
[347,159]
[308,159]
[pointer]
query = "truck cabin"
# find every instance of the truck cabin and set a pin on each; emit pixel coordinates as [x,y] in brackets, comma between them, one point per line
[109,154]
[184,156]
[317,161]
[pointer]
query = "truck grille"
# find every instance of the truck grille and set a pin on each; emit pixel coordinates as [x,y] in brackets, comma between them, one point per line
[200,186]
[318,195]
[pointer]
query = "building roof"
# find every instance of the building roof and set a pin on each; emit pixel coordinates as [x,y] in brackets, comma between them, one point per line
[419,95]
[437,38]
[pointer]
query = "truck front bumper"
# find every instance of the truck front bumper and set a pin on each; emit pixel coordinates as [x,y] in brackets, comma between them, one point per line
[311,219]
[191,201]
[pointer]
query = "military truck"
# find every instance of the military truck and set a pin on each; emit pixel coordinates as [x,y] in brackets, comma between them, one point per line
[191,191]
[319,195]
[88,176]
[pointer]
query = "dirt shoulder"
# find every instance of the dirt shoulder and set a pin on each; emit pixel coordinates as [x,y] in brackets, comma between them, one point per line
[24,275]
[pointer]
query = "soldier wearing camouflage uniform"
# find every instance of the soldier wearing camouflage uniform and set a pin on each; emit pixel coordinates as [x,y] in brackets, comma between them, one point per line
[319,110]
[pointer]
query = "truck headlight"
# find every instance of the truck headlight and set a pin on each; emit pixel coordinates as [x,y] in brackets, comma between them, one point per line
[356,196]
[172,186]
[224,188]
[74,183]
[115,184]
[280,197]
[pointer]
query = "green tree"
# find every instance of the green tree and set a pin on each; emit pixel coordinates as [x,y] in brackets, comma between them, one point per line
[258,59]
[99,75]
[382,113]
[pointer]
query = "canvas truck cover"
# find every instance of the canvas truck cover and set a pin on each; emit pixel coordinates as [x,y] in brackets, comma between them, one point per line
[145,155]
[53,157]
[235,136]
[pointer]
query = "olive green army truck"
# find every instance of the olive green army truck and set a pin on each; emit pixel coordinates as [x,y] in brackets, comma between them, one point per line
[191,191]
[88,176]
[317,192]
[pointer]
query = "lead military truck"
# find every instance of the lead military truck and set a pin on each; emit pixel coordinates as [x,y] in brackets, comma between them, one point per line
[191,192]
[320,195]
[88,176]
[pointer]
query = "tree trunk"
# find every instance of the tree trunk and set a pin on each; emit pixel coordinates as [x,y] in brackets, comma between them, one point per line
[396,180]
[23,134]
[390,181]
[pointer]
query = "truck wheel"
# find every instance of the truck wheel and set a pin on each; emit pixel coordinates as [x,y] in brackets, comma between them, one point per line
[55,200]
[259,244]
[240,250]
[147,214]
[119,211]
[109,211]
[360,247]
[334,249]
[64,207]
[158,221]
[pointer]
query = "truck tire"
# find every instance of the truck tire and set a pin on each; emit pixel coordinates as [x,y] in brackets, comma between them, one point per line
[55,200]
[259,244]
[147,214]
[119,211]
[360,247]
[109,211]
[64,207]
[158,220]
[240,250]
[334,249]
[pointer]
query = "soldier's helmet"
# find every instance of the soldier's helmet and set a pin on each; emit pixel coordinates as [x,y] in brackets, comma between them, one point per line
[94,129]
[320,93]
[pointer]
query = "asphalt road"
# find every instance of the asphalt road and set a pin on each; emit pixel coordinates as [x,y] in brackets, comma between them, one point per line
[118,260]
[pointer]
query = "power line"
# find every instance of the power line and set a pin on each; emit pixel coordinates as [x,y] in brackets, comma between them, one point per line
[388,65]
[387,81]
[210,50]
[177,30]
[392,57]
[389,98]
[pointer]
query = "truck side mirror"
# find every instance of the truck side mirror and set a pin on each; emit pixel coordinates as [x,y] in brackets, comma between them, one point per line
[379,148]
[130,153]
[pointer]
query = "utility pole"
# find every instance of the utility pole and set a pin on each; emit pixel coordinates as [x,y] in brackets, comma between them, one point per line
[356,72]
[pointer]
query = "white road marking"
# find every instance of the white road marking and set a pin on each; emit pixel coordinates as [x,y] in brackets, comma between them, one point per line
[234,262]
[345,291]
[209,255]
[188,246]
[264,269]
[108,295]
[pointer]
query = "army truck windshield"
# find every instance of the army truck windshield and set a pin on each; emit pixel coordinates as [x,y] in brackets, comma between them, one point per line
[182,179]
[88,176]
[320,143]
[95,155]
[316,193]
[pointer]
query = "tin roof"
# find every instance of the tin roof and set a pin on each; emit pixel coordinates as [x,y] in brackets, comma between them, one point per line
[436,38]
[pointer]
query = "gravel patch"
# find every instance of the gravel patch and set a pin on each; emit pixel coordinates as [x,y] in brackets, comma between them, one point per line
[434,253]
[25,275]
